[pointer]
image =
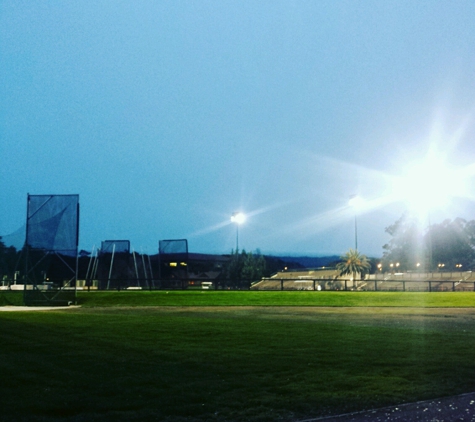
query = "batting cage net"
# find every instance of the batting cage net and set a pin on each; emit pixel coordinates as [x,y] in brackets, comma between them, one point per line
[51,245]
[53,223]
[173,259]
[173,250]
[115,246]
[113,266]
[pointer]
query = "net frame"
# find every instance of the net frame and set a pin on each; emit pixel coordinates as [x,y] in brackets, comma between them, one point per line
[52,237]
[116,246]
[114,252]
[173,250]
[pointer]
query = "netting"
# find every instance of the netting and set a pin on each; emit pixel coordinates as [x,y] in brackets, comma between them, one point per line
[53,223]
[116,246]
[15,239]
[173,249]
[51,246]
[113,266]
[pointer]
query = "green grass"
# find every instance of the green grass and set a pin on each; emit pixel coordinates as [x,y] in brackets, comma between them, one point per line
[262,298]
[228,363]
[230,355]
[11,298]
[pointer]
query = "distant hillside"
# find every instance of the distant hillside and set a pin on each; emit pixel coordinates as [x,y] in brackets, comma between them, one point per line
[309,261]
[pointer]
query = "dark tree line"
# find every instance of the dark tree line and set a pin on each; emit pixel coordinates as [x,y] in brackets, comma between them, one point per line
[245,266]
[449,245]
[10,261]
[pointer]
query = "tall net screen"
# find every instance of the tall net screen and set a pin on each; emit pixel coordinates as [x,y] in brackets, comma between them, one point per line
[176,249]
[113,270]
[51,245]
[53,223]
[116,246]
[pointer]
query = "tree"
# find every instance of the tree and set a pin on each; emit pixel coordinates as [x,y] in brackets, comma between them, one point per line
[254,266]
[353,263]
[9,260]
[246,266]
[406,246]
[452,243]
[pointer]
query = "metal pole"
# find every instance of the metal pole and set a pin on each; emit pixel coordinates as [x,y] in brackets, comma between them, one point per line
[356,234]
[112,263]
[151,273]
[136,269]
[110,268]
[429,237]
[144,268]
[89,266]
[95,266]
[237,237]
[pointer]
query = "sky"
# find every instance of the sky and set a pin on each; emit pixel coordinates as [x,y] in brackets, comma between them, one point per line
[166,117]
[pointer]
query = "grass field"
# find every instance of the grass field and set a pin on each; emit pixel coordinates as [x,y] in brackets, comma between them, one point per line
[262,298]
[256,298]
[234,356]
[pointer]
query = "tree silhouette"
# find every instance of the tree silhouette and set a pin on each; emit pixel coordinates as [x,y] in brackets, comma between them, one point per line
[353,263]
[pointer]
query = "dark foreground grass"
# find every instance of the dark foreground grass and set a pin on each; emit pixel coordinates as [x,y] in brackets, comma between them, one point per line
[228,363]
[275,298]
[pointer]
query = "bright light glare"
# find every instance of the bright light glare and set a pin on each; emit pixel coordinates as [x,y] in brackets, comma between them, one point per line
[429,184]
[238,218]
[356,201]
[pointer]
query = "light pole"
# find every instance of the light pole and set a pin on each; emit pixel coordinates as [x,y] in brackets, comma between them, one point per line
[237,218]
[355,202]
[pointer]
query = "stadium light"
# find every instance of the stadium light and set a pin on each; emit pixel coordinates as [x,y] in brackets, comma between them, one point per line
[238,218]
[430,184]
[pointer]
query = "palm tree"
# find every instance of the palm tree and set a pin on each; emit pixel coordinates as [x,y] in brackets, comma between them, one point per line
[353,263]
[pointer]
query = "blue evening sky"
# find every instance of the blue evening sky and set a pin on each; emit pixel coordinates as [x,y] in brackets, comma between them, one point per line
[168,116]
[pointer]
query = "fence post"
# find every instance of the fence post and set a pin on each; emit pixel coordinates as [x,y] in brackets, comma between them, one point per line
[346,285]
[281,284]
[375,285]
[403,285]
[430,286]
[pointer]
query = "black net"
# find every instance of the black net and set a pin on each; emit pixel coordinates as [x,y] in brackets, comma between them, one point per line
[52,232]
[15,239]
[116,246]
[53,222]
[173,250]
[114,267]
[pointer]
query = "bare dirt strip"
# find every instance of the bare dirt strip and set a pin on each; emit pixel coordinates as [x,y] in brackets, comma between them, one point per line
[34,308]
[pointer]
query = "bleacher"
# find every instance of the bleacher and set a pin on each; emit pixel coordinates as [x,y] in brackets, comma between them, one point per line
[310,279]
[328,279]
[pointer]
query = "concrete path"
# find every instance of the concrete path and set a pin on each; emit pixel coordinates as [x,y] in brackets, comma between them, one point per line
[447,409]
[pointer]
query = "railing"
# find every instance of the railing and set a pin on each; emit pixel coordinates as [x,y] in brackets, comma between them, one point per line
[270,284]
[376,285]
